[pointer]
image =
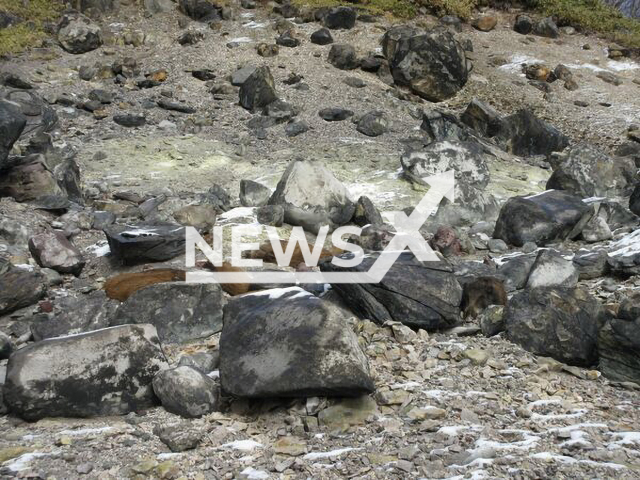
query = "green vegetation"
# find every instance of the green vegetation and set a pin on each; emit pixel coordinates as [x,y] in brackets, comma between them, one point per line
[19,37]
[397,8]
[593,16]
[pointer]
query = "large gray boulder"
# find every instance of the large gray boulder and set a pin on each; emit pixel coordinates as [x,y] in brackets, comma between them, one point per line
[41,117]
[542,218]
[100,373]
[419,294]
[433,65]
[78,34]
[469,161]
[552,269]
[179,311]
[186,391]
[619,347]
[200,10]
[289,343]
[312,197]
[588,172]
[12,123]
[561,323]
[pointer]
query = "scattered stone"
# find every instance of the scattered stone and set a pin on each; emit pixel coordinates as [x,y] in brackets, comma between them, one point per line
[373,124]
[202,217]
[130,120]
[78,34]
[340,18]
[288,39]
[267,50]
[343,57]
[485,23]
[335,114]
[366,213]
[53,250]
[19,287]
[546,28]
[179,437]
[258,90]
[253,194]
[321,37]
[186,391]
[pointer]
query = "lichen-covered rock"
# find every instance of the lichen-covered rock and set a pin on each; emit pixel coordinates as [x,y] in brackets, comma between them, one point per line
[561,323]
[179,311]
[289,343]
[78,34]
[186,391]
[99,373]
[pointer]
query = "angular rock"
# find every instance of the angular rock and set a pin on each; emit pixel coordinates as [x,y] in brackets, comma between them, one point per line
[321,37]
[590,264]
[29,180]
[340,18]
[420,295]
[100,373]
[258,90]
[542,218]
[373,124]
[619,347]
[586,171]
[396,34]
[525,134]
[130,120]
[179,311]
[624,255]
[201,217]
[523,24]
[253,194]
[41,117]
[434,65]
[289,343]
[270,215]
[186,391]
[19,288]
[312,197]
[217,196]
[492,320]
[199,10]
[556,322]
[366,213]
[179,437]
[634,201]
[75,314]
[288,39]
[132,244]
[335,114]
[516,271]
[551,269]
[6,347]
[53,250]
[343,56]
[482,118]
[546,28]
[12,123]
[78,34]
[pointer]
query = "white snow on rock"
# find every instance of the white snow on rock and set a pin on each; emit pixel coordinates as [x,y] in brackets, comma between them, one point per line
[332,453]
[242,445]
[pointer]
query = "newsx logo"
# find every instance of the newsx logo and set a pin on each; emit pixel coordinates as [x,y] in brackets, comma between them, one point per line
[407,235]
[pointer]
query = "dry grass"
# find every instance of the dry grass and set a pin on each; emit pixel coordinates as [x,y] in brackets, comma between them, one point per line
[29,33]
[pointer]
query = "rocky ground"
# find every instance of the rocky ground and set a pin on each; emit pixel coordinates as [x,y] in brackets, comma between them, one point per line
[440,372]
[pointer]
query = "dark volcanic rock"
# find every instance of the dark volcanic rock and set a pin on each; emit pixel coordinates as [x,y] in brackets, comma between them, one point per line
[523,24]
[366,213]
[619,347]
[419,294]
[340,18]
[289,343]
[186,391]
[53,250]
[542,218]
[525,134]
[373,124]
[175,106]
[78,34]
[343,56]
[200,10]
[634,201]
[321,37]
[270,215]
[589,172]
[19,288]
[258,90]
[556,322]
[312,197]
[75,314]
[12,123]
[6,347]
[546,28]
[179,311]
[100,373]
[130,120]
[433,65]
[145,243]
[253,194]
[334,114]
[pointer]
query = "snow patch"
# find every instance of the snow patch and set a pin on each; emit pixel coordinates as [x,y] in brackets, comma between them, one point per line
[332,453]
